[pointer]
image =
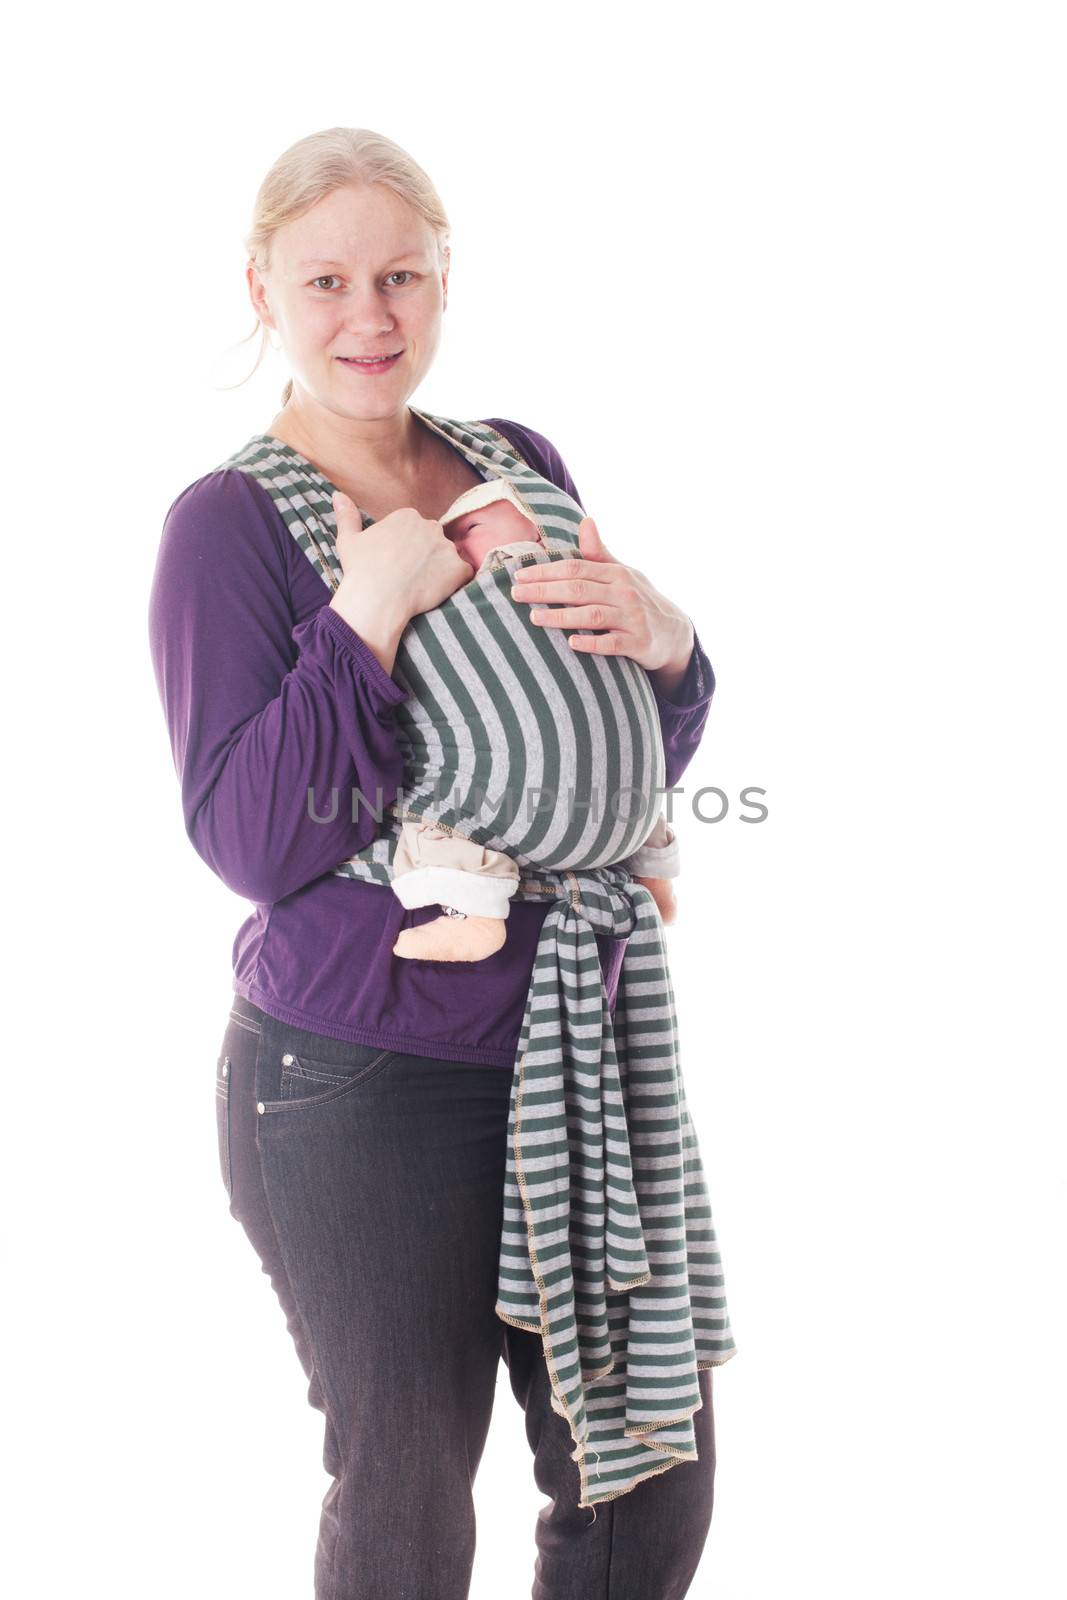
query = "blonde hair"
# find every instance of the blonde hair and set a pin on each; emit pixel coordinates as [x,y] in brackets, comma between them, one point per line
[314,167]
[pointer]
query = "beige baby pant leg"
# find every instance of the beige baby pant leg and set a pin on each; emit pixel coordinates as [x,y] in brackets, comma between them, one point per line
[659,856]
[432,867]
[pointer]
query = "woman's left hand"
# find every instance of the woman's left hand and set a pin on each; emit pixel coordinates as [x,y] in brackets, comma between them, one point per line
[596,591]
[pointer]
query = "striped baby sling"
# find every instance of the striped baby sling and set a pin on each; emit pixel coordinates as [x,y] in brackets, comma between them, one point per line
[608,1248]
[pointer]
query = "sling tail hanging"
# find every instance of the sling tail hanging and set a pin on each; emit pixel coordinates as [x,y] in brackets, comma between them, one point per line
[608,1248]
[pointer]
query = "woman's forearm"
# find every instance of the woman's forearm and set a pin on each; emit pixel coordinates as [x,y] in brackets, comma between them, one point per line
[379,629]
[668,677]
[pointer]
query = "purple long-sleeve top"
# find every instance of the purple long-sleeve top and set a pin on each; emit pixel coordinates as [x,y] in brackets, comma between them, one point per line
[268,693]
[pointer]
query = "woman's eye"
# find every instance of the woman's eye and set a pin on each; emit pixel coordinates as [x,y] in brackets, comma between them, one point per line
[331,277]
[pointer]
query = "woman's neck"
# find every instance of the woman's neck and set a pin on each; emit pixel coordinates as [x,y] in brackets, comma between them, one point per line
[386,450]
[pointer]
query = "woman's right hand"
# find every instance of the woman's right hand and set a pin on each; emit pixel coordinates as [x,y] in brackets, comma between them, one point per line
[392,571]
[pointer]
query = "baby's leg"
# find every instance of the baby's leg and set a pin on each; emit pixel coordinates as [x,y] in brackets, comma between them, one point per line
[433,867]
[654,862]
[659,856]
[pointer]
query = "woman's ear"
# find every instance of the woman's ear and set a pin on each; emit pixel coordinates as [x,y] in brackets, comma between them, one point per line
[258,295]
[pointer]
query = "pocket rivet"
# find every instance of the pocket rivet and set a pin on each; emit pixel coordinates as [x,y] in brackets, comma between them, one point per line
[260,1107]
[287,1061]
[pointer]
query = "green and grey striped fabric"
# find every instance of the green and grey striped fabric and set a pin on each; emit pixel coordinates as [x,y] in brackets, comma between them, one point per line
[608,1247]
[510,738]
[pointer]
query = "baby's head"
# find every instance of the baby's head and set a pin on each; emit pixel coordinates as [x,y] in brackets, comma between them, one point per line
[486,516]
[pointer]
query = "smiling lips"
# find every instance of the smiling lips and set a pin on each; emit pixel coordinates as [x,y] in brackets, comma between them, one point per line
[370,361]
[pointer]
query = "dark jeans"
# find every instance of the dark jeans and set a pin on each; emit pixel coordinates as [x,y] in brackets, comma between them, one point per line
[371,1186]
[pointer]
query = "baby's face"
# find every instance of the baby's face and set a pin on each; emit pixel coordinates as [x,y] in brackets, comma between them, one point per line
[477,532]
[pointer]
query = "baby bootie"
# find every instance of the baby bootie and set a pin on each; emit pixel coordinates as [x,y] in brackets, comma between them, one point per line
[452,937]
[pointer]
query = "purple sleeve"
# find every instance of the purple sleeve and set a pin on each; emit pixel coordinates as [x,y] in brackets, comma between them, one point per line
[260,711]
[682,717]
[684,714]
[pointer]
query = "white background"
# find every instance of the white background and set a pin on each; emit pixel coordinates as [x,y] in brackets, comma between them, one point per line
[784,284]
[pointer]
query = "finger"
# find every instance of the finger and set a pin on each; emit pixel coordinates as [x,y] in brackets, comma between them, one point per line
[570,567]
[349,517]
[594,616]
[592,545]
[609,643]
[564,585]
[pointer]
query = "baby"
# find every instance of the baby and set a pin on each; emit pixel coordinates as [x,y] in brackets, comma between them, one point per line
[432,866]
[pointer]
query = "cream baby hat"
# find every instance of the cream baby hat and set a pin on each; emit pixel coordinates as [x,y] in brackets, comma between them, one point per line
[483,494]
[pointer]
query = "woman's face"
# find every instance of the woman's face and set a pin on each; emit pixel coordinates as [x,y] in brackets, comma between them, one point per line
[357,275]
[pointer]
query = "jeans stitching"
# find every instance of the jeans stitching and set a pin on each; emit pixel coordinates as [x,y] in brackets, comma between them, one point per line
[336,1091]
[243,1022]
[222,1113]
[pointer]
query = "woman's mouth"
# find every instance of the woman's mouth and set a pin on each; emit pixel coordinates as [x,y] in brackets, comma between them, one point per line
[372,363]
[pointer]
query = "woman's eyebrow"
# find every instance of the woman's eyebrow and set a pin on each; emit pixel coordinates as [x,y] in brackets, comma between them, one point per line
[321,261]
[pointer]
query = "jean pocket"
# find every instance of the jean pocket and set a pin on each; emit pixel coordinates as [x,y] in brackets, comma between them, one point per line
[297,1071]
[222,1120]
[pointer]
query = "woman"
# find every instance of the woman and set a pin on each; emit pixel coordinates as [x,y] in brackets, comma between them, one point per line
[392,1077]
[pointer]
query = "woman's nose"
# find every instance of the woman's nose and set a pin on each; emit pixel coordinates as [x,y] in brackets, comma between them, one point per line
[367,308]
